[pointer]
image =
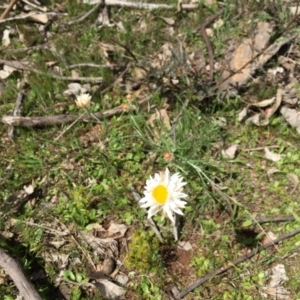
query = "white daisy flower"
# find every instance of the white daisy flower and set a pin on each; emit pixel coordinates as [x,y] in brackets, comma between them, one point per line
[164,192]
[83,100]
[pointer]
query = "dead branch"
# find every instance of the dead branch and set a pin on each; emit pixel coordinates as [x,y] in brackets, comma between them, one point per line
[82,18]
[23,17]
[141,5]
[14,270]
[235,262]
[207,42]
[8,9]
[20,66]
[61,119]
[273,220]
[41,8]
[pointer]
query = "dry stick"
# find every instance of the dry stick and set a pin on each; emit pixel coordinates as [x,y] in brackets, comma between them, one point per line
[207,42]
[41,8]
[83,17]
[141,5]
[235,262]
[19,66]
[276,219]
[91,65]
[8,9]
[260,148]
[14,270]
[61,119]
[31,15]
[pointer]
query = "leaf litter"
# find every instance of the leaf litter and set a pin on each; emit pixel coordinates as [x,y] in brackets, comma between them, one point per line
[170,64]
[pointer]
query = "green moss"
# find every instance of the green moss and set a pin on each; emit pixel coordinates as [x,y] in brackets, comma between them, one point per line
[143,254]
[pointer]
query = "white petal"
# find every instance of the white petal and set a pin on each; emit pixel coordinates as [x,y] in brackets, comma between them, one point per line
[167,177]
[153,210]
[170,215]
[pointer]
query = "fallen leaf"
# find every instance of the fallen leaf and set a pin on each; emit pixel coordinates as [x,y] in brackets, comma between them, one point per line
[110,290]
[107,247]
[7,70]
[5,38]
[249,57]
[292,116]
[271,155]
[185,245]
[272,171]
[258,120]
[293,178]
[115,228]
[41,18]
[230,152]
[242,114]
[264,103]
[275,287]
[218,24]
[158,121]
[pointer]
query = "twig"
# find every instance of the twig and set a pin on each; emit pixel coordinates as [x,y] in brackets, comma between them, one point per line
[16,112]
[235,262]
[207,42]
[41,8]
[260,148]
[8,9]
[276,219]
[20,66]
[83,17]
[91,65]
[31,15]
[61,119]
[141,5]
[14,270]
[65,130]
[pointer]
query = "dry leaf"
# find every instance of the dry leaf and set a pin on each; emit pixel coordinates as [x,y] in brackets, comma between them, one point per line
[276,70]
[209,32]
[230,152]
[76,89]
[242,62]
[169,21]
[264,103]
[275,287]
[271,155]
[7,70]
[156,120]
[293,178]
[41,18]
[104,247]
[185,245]
[117,228]
[5,38]
[258,120]
[295,10]
[110,290]
[242,114]
[292,116]
[218,24]
[272,171]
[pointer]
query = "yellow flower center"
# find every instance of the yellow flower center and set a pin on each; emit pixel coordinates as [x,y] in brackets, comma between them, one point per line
[160,194]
